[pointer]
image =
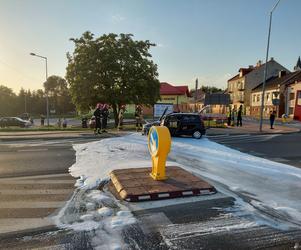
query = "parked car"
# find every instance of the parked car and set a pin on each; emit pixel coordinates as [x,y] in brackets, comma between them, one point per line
[146,127]
[179,124]
[14,121]
[92,122]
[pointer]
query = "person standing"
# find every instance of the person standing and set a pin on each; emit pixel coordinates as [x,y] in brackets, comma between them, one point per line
[42,120]
[229,117]
[233,117]
[64,123]
[98,115]
[272,118]
[105,114]
[239,116]
[59,123]
[120,117]
[138,117]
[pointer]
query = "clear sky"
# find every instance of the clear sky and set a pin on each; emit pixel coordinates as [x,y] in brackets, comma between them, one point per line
[209,39]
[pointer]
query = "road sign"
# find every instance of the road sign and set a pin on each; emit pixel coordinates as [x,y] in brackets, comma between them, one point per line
[160,107]
[159,142]
[276,102]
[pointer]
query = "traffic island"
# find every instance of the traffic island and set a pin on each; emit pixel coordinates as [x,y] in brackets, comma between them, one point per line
[136,184]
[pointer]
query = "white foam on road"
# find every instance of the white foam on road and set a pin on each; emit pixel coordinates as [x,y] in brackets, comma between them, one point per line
[267,186]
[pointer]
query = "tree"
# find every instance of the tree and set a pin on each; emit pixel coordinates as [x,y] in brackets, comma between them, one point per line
[7,101]
[59,97]
[113,69]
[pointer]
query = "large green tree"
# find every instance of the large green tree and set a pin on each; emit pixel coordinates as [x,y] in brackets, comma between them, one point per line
[58,92]
[114,69]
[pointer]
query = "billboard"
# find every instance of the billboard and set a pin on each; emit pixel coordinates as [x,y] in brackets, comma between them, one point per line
[217,99]
[160,107]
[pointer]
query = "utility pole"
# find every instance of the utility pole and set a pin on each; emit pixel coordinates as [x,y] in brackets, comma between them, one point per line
[266,67]
[196,94]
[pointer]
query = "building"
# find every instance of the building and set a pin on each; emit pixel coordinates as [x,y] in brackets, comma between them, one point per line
[241,85]
[179,96]
[287,88]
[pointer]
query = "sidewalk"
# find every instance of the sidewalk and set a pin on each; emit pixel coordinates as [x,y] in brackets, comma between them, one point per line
[253,128]
[52,135]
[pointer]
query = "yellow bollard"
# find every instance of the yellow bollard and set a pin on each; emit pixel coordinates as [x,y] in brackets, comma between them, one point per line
[159,142]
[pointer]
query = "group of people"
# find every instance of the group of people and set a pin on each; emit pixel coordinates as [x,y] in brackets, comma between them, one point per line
[138,117]
[232,115]
[101,115]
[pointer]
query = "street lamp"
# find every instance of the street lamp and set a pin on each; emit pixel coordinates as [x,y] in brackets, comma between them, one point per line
[47,102]
[266,67]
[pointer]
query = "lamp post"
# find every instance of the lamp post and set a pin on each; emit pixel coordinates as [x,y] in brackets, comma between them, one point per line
[266,67]
[47,101]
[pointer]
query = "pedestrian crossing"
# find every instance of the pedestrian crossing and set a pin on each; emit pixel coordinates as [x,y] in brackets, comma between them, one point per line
[27,203]
[245,138]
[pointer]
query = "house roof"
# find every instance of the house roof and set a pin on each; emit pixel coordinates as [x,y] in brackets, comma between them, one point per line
[287,79]
[168,89]
[234,78]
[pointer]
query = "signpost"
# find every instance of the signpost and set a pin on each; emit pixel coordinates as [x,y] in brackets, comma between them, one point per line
[160,107]
[159,142]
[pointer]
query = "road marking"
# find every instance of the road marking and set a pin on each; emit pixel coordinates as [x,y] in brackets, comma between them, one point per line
[33,150]
[34,181]
[31,204]
[37,177]
[34,191]
[17,224]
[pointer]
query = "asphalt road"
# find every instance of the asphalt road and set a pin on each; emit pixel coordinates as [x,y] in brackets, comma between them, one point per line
[36,185]
[283,148]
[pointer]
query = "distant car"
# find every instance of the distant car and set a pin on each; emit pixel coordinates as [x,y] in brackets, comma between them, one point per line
[190,124]
[14,122]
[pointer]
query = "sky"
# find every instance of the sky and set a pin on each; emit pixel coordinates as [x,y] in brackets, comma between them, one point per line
[205,39]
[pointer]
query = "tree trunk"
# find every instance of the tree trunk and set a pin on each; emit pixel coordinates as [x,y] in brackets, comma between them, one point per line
[115,112]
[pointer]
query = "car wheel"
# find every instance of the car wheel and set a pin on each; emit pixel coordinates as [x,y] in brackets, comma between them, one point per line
[197,134]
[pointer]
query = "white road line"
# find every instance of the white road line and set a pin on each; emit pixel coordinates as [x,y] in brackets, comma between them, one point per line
[17,224]
[35,181]
[37,177]
[55,247]
[33,150]
[30,204]
[34,191]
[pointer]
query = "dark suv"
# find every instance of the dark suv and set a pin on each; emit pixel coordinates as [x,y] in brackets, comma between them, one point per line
[184,124]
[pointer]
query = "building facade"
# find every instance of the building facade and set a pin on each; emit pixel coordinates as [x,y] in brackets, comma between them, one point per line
[240,86]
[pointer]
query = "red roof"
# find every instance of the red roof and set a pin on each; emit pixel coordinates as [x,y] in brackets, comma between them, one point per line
[168,89]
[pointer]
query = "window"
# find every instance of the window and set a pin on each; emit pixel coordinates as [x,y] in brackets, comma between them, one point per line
[190,118]
[292,96]
[291,111]
[258,98]
[254,98]
[268,96]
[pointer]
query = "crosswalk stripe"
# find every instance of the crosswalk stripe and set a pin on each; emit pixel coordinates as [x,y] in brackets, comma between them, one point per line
[35,181]
[34,191]
[16,224]
[30,204]
[38,176]
[27,202]
[241,138]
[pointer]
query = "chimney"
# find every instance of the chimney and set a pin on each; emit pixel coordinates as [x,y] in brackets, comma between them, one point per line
[272,59]
[258,64]
[281,73]
[251,67]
